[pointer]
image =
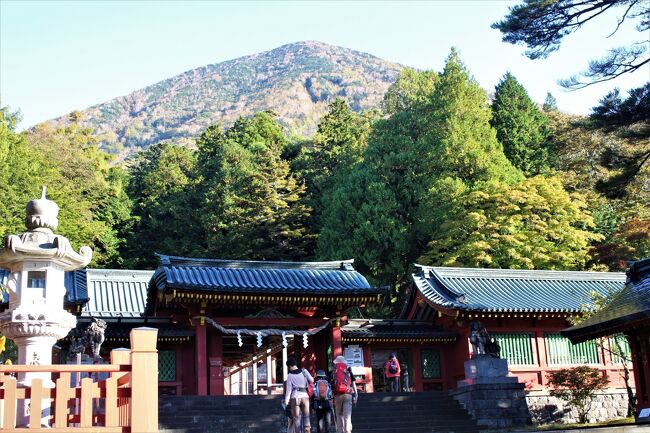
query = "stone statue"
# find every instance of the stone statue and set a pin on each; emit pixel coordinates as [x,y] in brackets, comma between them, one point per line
[482,343]
[92,337]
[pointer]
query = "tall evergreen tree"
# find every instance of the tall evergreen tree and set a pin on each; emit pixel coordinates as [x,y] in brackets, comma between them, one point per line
[430,148]
[521,127]
[162,186]
[253,206]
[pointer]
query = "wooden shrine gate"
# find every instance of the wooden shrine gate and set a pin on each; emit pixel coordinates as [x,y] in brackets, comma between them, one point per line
[127,401]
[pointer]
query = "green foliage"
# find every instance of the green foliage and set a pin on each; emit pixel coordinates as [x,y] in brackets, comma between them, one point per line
[162,187]
[411,91]
[462,143]
[577,386]
[521,127]
[436,141]
[629,120]
[531,225]
[550,103]
[252,205]
[94,208]
[338,145]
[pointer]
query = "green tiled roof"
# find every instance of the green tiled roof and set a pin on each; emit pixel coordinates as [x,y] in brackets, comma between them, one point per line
[116,293]
[629,308]
[508,290]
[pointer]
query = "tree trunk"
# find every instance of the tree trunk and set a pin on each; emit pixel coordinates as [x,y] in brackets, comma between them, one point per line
[631,398]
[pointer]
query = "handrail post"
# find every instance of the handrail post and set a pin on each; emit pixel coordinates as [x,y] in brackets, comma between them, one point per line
[144,380]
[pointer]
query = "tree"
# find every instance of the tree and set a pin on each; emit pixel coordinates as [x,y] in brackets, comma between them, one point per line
[629,120]
[162,186]
[550,103]
[531,225]
[542,25]
[253,205]
[521,127]
[462,142]
[577,386]
[338,145]
[94,208]
[436,142]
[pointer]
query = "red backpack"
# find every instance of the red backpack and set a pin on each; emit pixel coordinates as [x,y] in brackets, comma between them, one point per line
[342,382]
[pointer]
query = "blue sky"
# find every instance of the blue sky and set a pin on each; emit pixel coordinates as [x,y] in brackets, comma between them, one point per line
[56,57]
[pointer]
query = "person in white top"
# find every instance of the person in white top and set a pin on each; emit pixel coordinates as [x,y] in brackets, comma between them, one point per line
[296,396]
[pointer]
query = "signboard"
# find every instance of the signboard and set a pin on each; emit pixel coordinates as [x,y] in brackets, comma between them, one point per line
[354,358]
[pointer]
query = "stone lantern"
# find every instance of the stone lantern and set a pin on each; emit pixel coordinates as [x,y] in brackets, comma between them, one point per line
[37,260]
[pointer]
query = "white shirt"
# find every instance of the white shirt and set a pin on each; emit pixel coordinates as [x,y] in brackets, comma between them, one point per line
[297,379]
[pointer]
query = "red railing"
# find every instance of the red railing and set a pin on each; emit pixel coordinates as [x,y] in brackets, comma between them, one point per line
[126,401]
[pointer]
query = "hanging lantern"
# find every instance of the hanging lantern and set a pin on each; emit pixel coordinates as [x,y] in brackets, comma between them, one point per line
[284,340]
[239,341]
[259,339]
[305,343]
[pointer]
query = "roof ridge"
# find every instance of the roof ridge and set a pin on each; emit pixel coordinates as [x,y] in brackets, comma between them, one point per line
[535,274]
[342,265]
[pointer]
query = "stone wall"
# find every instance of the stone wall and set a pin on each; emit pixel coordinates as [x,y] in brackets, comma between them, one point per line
[497,405]
[545,409]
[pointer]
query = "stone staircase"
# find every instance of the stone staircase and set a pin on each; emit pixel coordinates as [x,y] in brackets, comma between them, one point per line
[426,412]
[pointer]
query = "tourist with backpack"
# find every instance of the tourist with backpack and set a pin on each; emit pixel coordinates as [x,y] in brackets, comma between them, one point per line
[345,395]
[296,395]
[392,371]
[322,402]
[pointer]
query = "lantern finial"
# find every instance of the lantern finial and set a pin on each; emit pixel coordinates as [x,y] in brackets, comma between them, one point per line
[42,214]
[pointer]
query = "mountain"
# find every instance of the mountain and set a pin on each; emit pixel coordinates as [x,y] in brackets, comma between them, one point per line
[296,81]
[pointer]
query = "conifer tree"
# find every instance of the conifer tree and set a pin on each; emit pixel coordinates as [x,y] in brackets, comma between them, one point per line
[253,206]
[163,188]
[429,150]
[521,127]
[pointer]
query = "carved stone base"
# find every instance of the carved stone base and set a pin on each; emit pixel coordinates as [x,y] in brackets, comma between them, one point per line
[486,369]
[494,405]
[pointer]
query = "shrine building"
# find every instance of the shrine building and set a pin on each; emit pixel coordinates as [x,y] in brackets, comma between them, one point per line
[227,327]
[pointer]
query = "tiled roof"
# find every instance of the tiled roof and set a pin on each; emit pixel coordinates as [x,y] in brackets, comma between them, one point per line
[376,329]
[628,308]
[230,276]
[116,293]
[506,290]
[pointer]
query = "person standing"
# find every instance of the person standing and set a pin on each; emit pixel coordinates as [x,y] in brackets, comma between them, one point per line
[296,396]
[345,395]
[392,371]
[322,402]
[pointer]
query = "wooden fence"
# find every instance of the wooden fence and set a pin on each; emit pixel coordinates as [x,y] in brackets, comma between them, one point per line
[126,401]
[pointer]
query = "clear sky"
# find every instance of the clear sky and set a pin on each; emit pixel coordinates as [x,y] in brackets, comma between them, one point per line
[56,57]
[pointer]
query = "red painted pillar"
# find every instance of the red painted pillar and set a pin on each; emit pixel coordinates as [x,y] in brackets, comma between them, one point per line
[337,347]
[216,363]
[201,360]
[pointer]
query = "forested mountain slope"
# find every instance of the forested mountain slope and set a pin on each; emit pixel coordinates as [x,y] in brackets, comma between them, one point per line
[296,81]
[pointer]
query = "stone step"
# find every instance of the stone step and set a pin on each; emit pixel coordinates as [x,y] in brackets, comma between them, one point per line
[428,412]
